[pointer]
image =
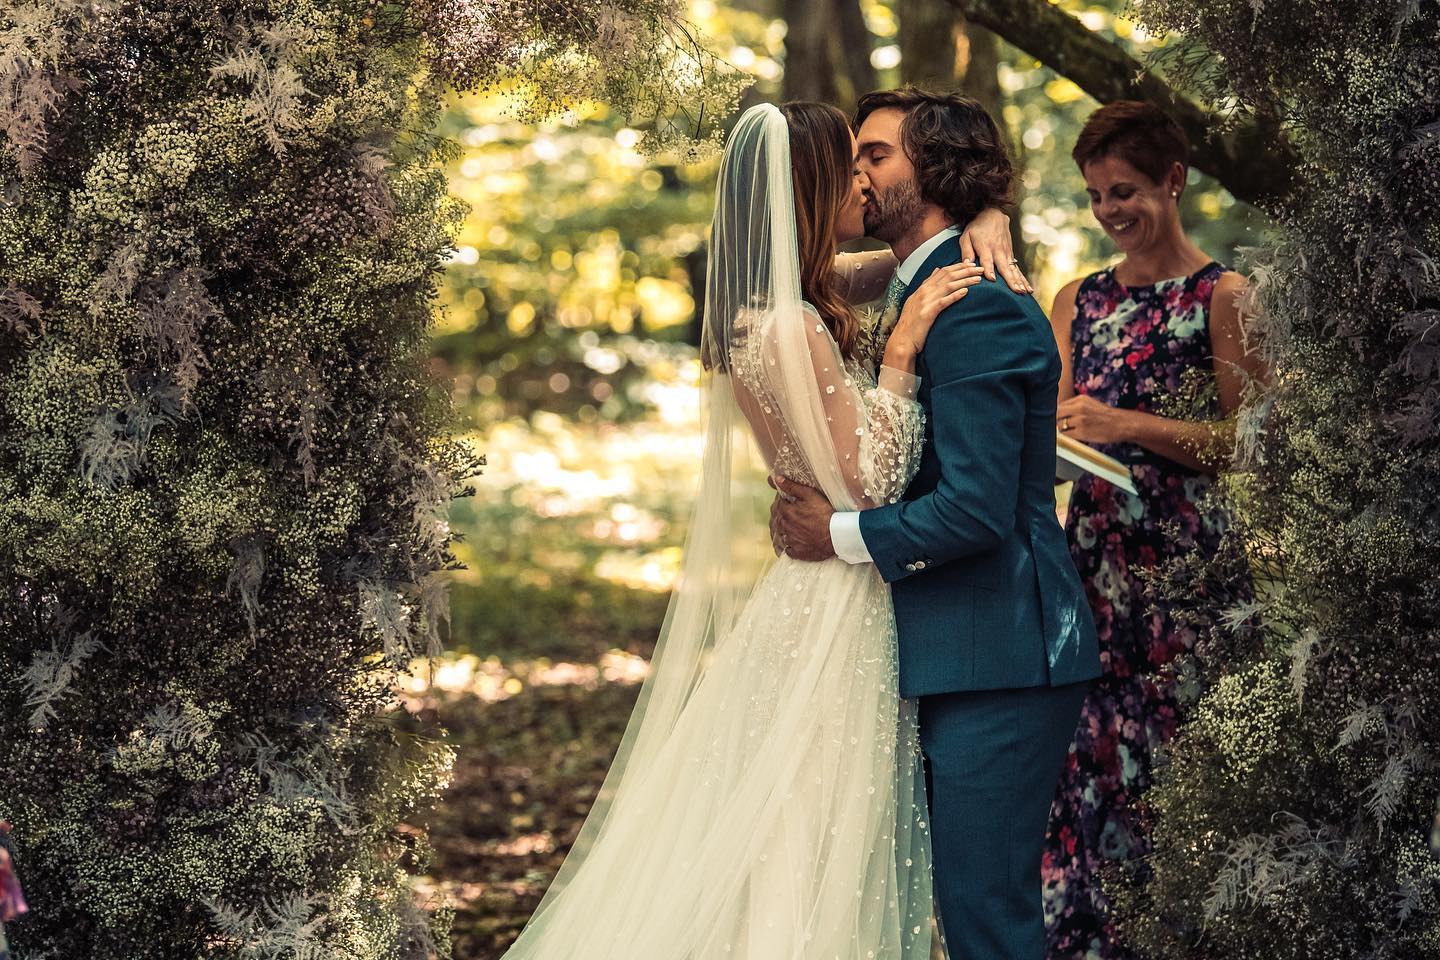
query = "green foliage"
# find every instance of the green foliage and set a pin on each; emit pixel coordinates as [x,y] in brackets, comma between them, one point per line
[578,266]
[224,475]
[582,254]
[1295,810]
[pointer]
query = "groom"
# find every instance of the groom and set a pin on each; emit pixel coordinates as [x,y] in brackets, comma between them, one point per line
[995,637]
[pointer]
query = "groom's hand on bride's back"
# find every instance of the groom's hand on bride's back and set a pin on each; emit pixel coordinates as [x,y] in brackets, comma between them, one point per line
[800,521]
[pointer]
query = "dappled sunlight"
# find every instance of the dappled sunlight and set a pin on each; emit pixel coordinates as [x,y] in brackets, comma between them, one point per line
[491,680]
[597,499]
[650,571]
[467,893]
[615,485]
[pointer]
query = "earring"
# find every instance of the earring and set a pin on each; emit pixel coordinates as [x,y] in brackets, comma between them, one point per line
[1175,194]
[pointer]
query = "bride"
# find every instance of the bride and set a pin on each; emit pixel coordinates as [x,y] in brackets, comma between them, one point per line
[767,801]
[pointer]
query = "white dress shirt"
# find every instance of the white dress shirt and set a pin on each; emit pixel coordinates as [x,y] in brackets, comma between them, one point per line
[845,527]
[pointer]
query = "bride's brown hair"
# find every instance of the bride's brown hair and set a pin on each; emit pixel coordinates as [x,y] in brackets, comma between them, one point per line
[822,164]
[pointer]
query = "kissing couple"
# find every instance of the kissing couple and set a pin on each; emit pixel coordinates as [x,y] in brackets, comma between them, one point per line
[869,730]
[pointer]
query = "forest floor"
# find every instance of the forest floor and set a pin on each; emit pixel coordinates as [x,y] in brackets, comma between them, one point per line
[533,738]
[570,548]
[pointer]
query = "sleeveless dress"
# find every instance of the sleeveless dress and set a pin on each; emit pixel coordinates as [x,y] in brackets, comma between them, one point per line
[784,815]
[1132,347]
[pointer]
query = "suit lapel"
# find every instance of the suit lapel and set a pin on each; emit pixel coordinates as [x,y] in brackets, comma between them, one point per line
[942,256]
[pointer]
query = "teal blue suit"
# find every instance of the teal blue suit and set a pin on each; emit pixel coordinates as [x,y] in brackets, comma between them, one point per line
[995,636]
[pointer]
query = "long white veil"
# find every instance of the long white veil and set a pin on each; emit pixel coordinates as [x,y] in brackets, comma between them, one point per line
[752,290]
[719,568]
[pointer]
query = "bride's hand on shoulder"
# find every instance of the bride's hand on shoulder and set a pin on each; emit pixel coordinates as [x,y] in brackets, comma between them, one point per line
[946,285]
[986,241]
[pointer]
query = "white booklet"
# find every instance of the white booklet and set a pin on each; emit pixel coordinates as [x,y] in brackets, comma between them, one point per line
[1074,459]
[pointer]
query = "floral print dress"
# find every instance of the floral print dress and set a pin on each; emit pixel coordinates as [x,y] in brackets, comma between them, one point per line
[1132,347]
[12,900]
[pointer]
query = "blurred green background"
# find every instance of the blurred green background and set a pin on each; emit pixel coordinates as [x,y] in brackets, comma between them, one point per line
[567,325]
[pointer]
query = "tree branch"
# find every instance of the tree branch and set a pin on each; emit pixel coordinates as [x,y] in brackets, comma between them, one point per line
[1254,161]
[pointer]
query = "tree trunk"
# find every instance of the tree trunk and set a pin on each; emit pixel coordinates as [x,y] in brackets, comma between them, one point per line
[979,61]
[827,52]
[809,72]
[938,49]
[929,50]
[851,45]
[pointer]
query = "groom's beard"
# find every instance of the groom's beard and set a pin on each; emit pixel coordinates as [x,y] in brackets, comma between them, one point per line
[890,214]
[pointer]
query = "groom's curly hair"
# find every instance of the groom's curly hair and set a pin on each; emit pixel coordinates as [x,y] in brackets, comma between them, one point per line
[962,164]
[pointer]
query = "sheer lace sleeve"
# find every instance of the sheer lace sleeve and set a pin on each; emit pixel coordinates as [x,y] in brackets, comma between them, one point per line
[864,276]
[873,432]
[877,428]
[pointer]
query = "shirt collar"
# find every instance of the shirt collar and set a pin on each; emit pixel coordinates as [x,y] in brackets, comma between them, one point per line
[906,271]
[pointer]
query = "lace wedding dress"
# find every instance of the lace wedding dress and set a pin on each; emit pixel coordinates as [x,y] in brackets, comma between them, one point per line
[767,802]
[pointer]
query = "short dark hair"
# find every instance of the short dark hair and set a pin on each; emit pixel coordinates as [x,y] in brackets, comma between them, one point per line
[961,162]
[1139,133]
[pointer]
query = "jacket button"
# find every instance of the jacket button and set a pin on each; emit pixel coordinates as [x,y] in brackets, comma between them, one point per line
[911,567]
[920,565]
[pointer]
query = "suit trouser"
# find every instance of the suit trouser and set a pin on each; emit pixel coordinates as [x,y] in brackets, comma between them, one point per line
[992,760]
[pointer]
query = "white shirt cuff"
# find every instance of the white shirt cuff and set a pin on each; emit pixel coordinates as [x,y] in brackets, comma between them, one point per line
[845,537]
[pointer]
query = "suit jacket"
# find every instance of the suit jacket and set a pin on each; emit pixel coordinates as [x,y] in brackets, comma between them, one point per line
[986,596]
